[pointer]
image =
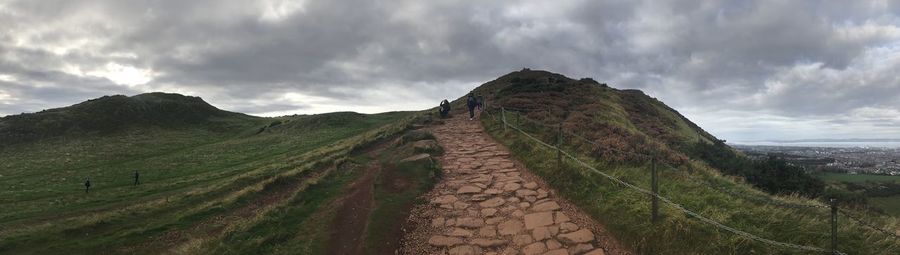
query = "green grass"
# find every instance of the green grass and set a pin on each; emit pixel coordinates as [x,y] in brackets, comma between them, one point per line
[626,213]
[392,203]
[839,177]
[890,205]
[187,175]
[299,227]
[304,225]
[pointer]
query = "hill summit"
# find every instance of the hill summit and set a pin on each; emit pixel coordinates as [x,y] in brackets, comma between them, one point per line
[109,114]
[627,125]
[622,122]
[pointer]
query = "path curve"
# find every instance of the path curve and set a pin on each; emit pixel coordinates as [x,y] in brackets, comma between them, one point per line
[487,203]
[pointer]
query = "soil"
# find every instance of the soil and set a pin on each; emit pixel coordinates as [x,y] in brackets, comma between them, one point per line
[352,215]
[395,183]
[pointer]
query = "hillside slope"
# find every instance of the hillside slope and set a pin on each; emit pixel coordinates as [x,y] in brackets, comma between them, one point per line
[627,126]
[110,114]
[623,122]
[207,177]
[619,132]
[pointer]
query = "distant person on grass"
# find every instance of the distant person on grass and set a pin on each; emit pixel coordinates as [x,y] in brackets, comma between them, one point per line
[471,102]
[137,177]
[444,109]
[87,185]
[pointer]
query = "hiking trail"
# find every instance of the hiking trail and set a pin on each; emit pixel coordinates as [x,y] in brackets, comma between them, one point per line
[488,203]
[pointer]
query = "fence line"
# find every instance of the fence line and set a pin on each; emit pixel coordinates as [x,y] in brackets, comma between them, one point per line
[867,224]
[766,200]
[647,156]
[664,199]
[583,139]
[759,199]
[708,183]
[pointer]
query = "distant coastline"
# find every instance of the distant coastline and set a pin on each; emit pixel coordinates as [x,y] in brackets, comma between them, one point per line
[831,143]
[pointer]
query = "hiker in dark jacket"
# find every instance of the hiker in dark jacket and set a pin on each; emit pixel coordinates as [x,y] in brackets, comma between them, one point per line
[87,185]
[445,108]
[471,102]
[137,177]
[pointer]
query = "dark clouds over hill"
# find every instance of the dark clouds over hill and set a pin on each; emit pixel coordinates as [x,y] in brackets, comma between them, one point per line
[742,69]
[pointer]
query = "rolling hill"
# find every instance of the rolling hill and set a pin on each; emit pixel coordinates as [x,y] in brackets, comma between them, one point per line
[625,133]
[211,181]
[218,182]
[110,114]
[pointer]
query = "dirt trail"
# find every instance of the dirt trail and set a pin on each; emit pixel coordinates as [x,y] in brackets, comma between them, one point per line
[487,203]
[352,216]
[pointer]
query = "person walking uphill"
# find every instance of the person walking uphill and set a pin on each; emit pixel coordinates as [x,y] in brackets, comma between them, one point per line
[87,185]
[137,177]
[471,102]
[445,109]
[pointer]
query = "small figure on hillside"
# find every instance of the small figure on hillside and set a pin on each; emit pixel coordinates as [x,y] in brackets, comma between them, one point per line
[137,177]
[471,102]
[445,109]
[87,185]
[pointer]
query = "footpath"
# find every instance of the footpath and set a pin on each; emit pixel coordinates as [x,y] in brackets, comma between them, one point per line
[487,203]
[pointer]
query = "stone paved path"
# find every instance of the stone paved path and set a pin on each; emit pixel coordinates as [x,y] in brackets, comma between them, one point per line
[485,204]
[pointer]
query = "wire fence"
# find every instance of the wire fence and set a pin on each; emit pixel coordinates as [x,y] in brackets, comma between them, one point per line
[644,156]
[708,184]
[862,222]
[653,194]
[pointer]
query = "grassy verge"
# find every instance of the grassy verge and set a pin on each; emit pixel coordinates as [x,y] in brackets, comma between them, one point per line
[877,193]
[294,228]
[396,191]
[118,219]
[626,213]
[890,205]
[304,225]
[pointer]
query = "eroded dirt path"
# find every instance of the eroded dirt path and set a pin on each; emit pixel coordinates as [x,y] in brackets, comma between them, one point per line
[487,203]
[352,216]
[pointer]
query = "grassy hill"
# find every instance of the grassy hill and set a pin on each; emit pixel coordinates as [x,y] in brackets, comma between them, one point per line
[618,131]
[110,114]
[217,182]
[208,177]
[623,122]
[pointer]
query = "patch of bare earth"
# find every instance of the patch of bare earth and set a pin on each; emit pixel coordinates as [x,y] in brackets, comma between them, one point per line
[352,215]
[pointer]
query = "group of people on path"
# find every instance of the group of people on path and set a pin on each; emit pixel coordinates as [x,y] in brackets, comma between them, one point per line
[87,182]
[472,102]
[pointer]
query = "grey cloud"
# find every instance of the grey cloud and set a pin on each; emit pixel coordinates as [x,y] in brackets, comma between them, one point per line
[55,91]
[266,107]
[727,54]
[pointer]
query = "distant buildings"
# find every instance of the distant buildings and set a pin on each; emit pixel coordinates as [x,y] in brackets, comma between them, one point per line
[851,160]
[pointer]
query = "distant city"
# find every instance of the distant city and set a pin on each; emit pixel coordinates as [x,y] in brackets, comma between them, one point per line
[882,158]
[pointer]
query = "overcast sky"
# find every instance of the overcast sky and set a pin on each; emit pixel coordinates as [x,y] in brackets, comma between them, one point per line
[743,70]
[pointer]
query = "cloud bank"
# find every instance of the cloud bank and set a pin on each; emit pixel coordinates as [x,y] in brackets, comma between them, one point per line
[744,70]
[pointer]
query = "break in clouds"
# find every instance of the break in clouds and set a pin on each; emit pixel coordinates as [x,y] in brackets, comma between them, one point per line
[743,70]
